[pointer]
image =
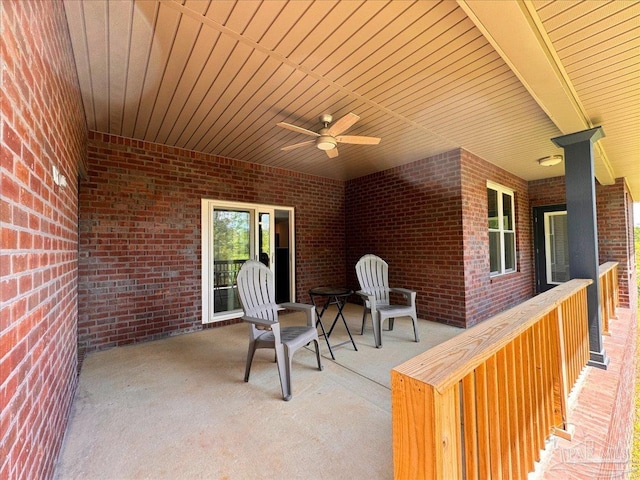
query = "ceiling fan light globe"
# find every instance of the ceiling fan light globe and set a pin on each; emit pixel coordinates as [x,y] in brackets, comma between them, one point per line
[325,142]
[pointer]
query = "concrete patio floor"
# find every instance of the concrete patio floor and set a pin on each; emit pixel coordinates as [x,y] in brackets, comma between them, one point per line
[178,408]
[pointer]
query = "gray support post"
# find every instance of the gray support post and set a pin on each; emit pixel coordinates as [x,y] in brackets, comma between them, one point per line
[583,229]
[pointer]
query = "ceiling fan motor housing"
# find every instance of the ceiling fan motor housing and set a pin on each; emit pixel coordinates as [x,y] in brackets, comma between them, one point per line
[326,142]
[327,138]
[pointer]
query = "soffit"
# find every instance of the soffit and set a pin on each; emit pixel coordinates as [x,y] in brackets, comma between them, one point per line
[217,77]
[598,43]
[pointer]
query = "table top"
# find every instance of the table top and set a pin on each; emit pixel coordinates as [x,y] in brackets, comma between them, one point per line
[331,291]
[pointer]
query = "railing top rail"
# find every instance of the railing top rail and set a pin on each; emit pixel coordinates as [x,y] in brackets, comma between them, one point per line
[446,364]
[605,267]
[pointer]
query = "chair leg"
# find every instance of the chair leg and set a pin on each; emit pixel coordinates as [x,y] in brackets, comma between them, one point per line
[415,328]
[252,351]
[318,354]
[364,318]
[391,323]
[377,330]
[284,370]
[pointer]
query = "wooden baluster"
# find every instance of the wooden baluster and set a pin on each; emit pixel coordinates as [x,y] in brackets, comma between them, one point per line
[493,398]
[511,381]
[561,375]
[483,422]
[503,402]
[470,426]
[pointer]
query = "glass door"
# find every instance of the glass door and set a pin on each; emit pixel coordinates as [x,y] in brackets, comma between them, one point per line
[233,233]
[232,246]
[556,247]
[551,246]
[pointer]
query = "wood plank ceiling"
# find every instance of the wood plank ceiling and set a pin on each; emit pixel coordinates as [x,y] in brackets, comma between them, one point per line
[425,76]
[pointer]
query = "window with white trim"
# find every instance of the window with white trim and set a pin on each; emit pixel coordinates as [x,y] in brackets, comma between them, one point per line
[502,233]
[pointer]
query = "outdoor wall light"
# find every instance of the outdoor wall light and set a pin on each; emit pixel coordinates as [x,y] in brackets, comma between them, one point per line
[58,178]
[550,161]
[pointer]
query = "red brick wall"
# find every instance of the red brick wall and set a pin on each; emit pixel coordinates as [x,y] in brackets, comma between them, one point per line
[411,217]
[140,236]
[630,259]
[486,296]
[42,124]
[615,227]
[549,191]
[428,220]
[615,235]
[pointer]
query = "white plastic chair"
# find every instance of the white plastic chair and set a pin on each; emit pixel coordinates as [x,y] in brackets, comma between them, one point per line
[257,295]
[373,276]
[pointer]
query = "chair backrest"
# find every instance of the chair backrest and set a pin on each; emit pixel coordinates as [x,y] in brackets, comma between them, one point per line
[373,276]
[257,290]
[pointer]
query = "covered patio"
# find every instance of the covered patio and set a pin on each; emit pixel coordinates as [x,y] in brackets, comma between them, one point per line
[130,129]
[178,407]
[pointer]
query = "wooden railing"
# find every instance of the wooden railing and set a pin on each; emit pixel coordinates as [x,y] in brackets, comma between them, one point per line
[608,277]
[482,404]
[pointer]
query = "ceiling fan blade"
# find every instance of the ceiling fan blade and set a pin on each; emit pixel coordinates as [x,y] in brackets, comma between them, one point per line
[357,140]
[342,124]
[333,153]
[298,145]
[297,129]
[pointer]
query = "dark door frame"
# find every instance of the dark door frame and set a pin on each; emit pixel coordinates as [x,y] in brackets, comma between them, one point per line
[539,245]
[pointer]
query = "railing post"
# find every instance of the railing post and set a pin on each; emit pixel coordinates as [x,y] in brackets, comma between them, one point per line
[426,430]
[582,227]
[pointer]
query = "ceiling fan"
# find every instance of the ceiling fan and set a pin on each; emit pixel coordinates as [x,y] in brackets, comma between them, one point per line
[328,137]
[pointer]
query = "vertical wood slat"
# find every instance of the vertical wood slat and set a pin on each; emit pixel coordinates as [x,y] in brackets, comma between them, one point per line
[616,287]
[608,279]
[540,383]
[488,413]
[572,341]
[483,422]
[513,400]
[471,430]
[448,427]
[503,415]
[604,307]
[549,360]
[536,403]
[527,412]
[561,374]
[494,413]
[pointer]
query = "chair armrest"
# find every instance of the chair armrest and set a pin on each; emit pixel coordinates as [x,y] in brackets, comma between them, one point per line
[310,310]
[369,297]
[259,321]
[410,294]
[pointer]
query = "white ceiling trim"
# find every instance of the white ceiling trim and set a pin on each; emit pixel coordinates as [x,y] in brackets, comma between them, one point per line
[515,30]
